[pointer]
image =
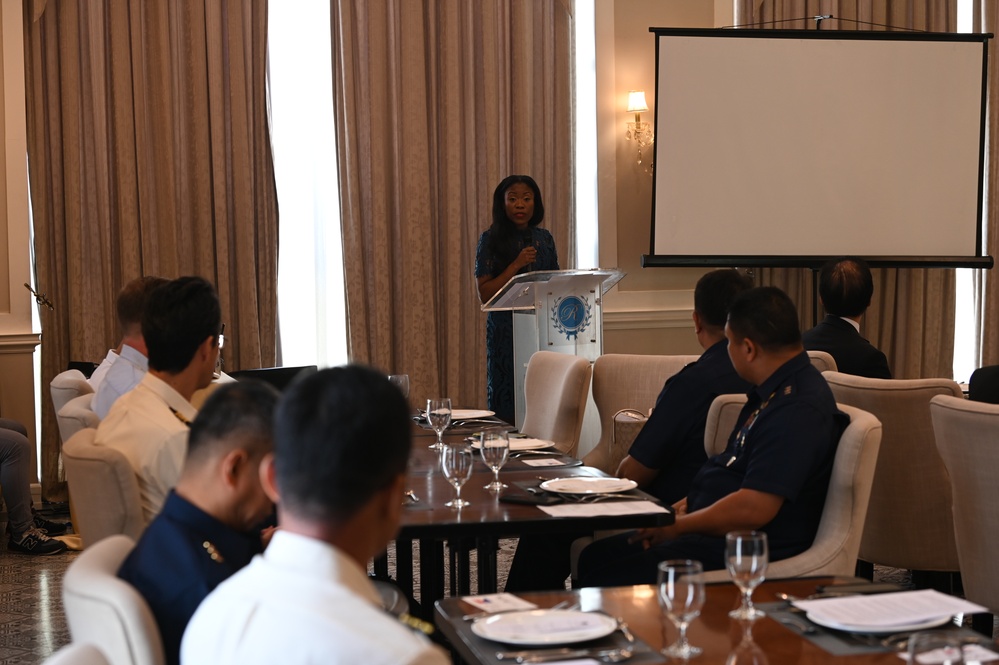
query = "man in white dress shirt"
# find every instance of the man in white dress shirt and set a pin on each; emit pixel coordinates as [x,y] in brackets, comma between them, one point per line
[341,444]
[123,369]
[150,424]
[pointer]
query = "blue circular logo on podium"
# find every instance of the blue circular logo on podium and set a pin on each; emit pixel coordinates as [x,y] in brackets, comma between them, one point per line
[571,315]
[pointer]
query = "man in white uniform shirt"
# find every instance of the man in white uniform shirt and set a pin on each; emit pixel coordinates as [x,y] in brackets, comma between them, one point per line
[341,444]
[123,370]
[149,425]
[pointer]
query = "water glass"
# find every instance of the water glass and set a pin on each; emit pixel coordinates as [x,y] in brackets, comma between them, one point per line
[746,556]
[439,417]
[456,463]
[935,646]
[495,449]
[400,381]
[681,597]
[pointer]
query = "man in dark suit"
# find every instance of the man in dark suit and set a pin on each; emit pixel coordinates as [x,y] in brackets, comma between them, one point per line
[845,288]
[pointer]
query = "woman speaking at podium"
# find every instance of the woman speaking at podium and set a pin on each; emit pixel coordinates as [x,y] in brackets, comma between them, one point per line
[512,244]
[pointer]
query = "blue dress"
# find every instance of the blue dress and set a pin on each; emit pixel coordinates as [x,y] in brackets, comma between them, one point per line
[499,325]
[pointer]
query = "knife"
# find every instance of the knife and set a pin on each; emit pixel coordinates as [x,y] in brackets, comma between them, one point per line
[549,655]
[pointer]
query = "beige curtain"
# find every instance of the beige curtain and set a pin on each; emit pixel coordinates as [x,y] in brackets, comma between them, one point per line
[149,154]
[436,102]
[911,317]
[987,281]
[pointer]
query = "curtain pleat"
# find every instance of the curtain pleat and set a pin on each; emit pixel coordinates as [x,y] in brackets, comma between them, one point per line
[149,154]
[435,103]
[911,317]
[987,281]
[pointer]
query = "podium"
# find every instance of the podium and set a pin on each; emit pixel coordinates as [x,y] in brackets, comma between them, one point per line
[553,310]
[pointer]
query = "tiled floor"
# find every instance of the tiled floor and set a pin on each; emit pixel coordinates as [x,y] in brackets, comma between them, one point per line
[32,624]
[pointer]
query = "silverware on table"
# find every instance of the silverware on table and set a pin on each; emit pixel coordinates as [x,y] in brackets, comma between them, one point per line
[610,655]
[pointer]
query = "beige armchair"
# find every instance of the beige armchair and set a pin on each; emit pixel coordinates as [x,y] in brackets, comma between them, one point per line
[625,388]
[67,385]
[822,361]
[722,418]
[967,436]
[834,550]
[104,489]
[909,519]
[108,612]
[555,389]
[75,415]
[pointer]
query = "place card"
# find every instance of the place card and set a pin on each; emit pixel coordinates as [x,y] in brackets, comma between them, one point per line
[499,602]
[603,508]
[973,653]
[543,461]
[886,609]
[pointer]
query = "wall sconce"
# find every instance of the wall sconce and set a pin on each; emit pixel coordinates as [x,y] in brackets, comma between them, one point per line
[638,131]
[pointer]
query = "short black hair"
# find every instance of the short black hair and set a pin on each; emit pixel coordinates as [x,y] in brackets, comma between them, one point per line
[341,435]
[715,291]
[767,316]
[238,413]
[179,316]
[132,300]
[846,286]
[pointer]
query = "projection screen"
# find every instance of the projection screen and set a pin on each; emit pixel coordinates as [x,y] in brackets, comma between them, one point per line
[785,148]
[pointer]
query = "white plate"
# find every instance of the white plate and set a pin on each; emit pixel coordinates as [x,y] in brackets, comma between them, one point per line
[468,414]
[587,485]
[522,444]
[545,627]
[878,630]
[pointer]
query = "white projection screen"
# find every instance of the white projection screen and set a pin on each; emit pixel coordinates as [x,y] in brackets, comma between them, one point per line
[784,148]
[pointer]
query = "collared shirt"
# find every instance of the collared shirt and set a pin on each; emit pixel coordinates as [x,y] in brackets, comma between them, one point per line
[787,451]
[182,555]
[150,425]
[98,376]
[124,375]
[301,601]
[672,440]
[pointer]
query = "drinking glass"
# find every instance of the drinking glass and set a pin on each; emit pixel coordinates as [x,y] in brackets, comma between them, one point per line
[935,646]
[681,596]
[746,555]
[456,463]
[439,417]
[495,448]
[400,381]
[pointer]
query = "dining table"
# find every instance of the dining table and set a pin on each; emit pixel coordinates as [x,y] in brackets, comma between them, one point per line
[512,512]
[783,637]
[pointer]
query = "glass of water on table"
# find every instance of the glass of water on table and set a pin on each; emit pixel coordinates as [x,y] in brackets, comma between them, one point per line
[495,447]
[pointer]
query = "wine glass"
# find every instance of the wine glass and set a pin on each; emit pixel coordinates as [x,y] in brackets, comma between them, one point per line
[746,555]
[439,417]
[456,463]
[681,596]
[935,646]
[495,448]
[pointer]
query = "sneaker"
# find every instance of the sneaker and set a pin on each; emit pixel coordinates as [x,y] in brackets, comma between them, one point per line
[49,528]
[33,541]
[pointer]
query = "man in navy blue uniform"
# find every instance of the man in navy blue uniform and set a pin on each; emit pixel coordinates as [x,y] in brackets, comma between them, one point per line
[206,530]
[774,473]
[669,450]
[846,288]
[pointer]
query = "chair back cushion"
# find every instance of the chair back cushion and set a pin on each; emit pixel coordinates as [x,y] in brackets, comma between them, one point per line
[909,519]
[67,385]
[75,415]
[723,416]
[555,390]
[967,436]
[822,361]
[624,381]
[104,489]
[106,611]
[78,653]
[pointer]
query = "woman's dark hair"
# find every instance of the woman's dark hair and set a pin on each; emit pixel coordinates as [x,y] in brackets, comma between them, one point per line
[503,232]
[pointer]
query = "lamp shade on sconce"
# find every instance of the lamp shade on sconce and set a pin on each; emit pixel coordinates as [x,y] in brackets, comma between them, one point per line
[636,101]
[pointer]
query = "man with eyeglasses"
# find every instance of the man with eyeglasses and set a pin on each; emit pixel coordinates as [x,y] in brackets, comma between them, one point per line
[181,325]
